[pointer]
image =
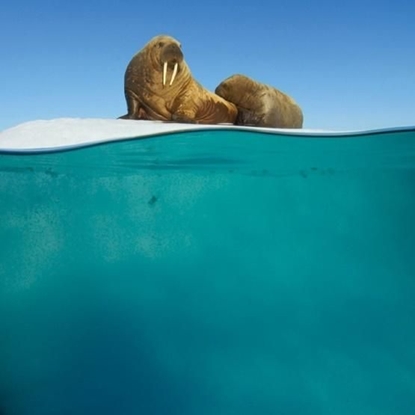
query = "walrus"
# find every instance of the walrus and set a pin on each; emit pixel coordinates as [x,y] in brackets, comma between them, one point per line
[259,104]
[158,85]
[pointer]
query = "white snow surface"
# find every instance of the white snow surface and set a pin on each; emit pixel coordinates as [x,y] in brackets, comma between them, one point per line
[77,132]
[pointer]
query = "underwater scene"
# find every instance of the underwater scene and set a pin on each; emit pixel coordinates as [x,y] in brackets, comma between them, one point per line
[210,273]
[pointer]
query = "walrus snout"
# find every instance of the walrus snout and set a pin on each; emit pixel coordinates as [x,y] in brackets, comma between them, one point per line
[171,53]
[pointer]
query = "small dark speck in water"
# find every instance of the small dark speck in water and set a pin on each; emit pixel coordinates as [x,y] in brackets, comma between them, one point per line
[51,173]
[152,201]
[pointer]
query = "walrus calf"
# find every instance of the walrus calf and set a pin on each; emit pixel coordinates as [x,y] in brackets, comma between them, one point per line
[260,105]
[158,85]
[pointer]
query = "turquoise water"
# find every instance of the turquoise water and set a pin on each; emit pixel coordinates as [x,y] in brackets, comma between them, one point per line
[211,272]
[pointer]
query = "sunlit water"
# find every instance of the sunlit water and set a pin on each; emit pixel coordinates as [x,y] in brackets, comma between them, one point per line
[210,273]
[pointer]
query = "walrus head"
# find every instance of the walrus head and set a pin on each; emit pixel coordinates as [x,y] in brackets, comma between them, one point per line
[242,92]
[236,89]
[167,57]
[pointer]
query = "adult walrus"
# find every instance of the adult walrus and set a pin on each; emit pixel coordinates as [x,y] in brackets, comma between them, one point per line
[158,85]
[259,104]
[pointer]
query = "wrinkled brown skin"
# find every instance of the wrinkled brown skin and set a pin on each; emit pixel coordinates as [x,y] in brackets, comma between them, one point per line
[260,105]
[184,101]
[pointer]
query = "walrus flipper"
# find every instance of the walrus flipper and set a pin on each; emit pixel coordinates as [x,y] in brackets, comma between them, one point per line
[183,118]
[248,117]
[134,108]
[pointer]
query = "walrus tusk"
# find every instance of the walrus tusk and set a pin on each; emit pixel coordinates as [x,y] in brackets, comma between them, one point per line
[176,65]
[164,73]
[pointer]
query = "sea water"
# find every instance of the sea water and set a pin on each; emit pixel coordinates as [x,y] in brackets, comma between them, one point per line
[210,273]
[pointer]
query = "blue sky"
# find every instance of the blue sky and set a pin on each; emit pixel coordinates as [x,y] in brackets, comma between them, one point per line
[350,65]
